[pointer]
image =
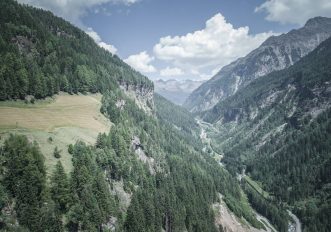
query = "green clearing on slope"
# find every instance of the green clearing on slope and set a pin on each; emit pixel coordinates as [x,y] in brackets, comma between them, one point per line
[257,187]
[65,118]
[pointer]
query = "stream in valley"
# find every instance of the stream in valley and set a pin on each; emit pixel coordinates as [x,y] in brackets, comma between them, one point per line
[294,225]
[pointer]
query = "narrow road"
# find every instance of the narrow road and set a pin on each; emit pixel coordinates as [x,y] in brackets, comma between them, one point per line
[297,226]
[293,227]
[265,221]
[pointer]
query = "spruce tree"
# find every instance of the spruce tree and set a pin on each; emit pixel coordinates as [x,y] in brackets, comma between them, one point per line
[25,178]
[3,91]
[60,189]
[56,153]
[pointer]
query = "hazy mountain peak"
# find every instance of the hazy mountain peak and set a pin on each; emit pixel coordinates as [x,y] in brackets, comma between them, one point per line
[276,53]
[176,90]
[318,21]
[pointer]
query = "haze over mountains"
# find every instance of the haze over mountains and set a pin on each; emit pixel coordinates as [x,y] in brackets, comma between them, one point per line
[176,91]
[87,143]
[276,53]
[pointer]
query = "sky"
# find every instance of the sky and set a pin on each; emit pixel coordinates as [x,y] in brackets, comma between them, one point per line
[183,39]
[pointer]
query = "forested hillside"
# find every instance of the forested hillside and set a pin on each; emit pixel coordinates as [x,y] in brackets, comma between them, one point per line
[147,174]
[278,129]
[41,54]
[173,189]
[150,171]
[182,119]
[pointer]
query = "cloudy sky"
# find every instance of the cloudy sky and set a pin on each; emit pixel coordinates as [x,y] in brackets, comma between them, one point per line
[183,39]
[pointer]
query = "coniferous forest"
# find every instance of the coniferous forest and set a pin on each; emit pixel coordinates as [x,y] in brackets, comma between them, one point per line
[42,54]
[151,171]
[292,164]
[175,194]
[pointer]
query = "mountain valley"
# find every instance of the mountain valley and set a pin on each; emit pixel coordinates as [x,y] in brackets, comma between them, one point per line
[176,91]
[89,143]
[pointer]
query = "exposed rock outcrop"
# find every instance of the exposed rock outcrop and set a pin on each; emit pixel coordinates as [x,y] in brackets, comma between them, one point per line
[142,95]
[24,44]
[138,149]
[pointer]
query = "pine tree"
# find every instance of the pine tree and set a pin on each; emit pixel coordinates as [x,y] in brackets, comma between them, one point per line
[64,84]
[25,179]
[51,219]
[3,91]
[60,189]
[39,85]
[135,220]
[105,202]
[23,82]
[99,143]
[56,153]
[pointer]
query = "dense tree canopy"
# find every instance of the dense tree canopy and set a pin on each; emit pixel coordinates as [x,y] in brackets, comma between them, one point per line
[278,128]
[170,182]
[41,54]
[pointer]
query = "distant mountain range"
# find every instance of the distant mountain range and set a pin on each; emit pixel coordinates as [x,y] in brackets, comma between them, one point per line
[176,91]
[276,53]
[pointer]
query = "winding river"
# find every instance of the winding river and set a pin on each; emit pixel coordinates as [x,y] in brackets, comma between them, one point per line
[293,227]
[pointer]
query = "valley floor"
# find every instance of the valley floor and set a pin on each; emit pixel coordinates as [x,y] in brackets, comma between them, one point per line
[224,216]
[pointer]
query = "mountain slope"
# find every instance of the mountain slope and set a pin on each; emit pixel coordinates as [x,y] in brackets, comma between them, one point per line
[277,127]
[147,174]
[42,54]
[276,53]
[182,119]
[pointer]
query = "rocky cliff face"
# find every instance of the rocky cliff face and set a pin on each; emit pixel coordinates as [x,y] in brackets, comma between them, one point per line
[143,95]
[276,53]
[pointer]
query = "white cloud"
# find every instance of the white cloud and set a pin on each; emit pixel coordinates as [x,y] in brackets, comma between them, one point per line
[141,62]
[205,75]
[72,10]
[171,72]
[218,44]
[108,47]
[294,11]
[98,40]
